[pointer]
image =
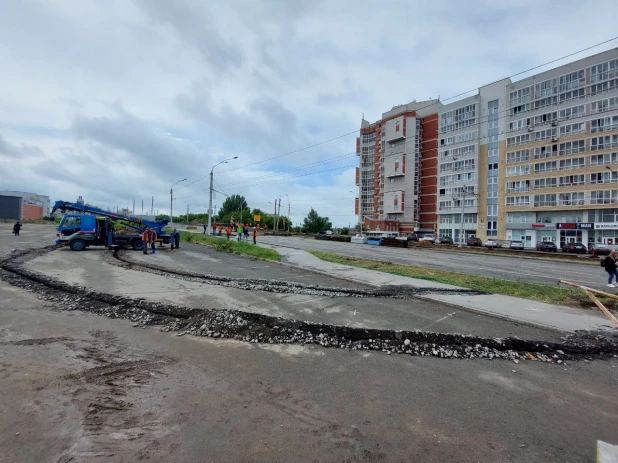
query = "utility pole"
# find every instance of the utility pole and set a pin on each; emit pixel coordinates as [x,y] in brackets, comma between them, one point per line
[209,231]
[187,213]
[152,206]
[142,207]
[279,214]
[171,200]
[289,219]
[275,223]
[133,207]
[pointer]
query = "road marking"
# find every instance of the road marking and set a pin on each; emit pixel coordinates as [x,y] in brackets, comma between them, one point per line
[448,315]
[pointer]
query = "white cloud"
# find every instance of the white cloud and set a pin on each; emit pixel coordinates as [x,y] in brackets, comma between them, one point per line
[117,100]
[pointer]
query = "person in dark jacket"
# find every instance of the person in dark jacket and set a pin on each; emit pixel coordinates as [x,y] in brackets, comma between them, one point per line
[173,236]
[610,267]
[16,228]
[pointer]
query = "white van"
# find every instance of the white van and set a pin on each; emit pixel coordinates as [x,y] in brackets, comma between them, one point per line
[389,234]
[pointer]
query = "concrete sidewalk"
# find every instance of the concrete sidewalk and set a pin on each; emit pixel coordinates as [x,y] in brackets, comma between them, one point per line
[508,307]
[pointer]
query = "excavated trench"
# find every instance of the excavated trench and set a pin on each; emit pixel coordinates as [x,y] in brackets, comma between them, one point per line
[258,328]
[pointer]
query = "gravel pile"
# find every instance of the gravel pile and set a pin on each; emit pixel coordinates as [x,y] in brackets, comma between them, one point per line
[121,258]
[258,328]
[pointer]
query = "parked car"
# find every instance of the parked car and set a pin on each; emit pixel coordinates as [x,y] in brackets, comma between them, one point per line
[431,238]
[412,237]
[599,249]
[546,246]
[389,234]
[578,248]
[474,241]
[329,232]
[516,245]
[493,244]
[445,240]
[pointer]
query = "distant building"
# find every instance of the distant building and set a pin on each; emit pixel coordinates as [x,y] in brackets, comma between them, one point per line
[21,205]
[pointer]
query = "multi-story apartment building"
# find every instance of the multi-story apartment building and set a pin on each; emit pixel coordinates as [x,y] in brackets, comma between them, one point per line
[531,160]
[559,179]
[398,166]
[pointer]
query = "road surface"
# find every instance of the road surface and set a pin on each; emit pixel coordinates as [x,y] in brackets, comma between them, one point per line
[494,266]
[81,387]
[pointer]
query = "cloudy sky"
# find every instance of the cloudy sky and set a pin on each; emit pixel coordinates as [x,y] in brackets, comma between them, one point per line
[116,100]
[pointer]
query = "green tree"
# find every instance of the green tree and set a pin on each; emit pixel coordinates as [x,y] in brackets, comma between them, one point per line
[313,223]
[232,204]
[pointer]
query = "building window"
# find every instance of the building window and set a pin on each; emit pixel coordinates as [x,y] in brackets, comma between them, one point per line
[603,143]
[518,200]
[604,124]
[544,200]
[604,197]
[517,156]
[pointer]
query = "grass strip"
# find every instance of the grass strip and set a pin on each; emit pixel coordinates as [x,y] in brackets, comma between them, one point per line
[242,248]
[537,292]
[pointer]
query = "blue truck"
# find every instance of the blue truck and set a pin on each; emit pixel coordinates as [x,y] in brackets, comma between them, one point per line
[86,226]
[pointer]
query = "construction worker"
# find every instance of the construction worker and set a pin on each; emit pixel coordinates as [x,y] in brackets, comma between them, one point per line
[153,241]
[228,232]
[255,234]
[16,228]
[239,233]
[173,236]
[145,240]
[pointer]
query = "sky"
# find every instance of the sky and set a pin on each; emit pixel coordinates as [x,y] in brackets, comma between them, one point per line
[115,101]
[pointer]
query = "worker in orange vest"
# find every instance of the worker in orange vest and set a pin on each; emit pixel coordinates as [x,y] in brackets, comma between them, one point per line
[228,232]
[145,240]
[153,240]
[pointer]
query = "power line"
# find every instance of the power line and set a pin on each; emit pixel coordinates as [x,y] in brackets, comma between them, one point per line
[432,104]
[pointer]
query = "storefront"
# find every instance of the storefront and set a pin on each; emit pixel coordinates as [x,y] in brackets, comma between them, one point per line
[606,233]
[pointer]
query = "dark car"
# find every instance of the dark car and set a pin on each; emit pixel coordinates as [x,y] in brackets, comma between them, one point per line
[577,248]
[546,246]
[412,237]
[474,241]
[599,249]
[516,245]
[445,240]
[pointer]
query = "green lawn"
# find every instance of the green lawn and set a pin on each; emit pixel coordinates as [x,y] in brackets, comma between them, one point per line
[544,293]
[236,247]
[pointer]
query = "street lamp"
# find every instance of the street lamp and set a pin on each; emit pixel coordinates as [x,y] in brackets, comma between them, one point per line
[289,219]
[360,214]
[171,200]
[210,199]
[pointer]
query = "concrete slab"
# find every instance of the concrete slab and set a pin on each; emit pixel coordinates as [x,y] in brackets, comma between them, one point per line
[507,307]
[607,453]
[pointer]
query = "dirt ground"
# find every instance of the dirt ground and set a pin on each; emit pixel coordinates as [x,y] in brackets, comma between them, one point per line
[78,387]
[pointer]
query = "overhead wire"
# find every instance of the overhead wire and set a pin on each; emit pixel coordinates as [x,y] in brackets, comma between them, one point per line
[417,109]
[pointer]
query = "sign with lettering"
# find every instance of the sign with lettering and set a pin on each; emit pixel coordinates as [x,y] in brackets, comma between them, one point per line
[585,226]
[606,226]
[566,225]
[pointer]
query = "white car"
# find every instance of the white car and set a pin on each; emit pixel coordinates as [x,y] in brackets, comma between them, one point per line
[492,244]
[430,238]
[329,232]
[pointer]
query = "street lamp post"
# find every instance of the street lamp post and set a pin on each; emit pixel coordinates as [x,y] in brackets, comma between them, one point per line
[289,219]
[360,214]
[171,201]
[210,195]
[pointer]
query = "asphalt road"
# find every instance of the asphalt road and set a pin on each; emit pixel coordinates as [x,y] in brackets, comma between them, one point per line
[80,387]
[507,268]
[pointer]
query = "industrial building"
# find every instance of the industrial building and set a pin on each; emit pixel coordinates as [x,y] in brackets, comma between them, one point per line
[532,160]
[21,205]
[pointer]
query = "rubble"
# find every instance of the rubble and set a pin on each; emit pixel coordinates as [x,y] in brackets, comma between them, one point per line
[259,328]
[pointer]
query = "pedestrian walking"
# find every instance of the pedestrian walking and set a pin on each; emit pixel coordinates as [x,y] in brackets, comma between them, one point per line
[205,228]
[245,232]
[239,233]
[228,232]
[173,236]
[145,240]
[16,228]
[255,234]
[220,230]
[610,267]
[153,241]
